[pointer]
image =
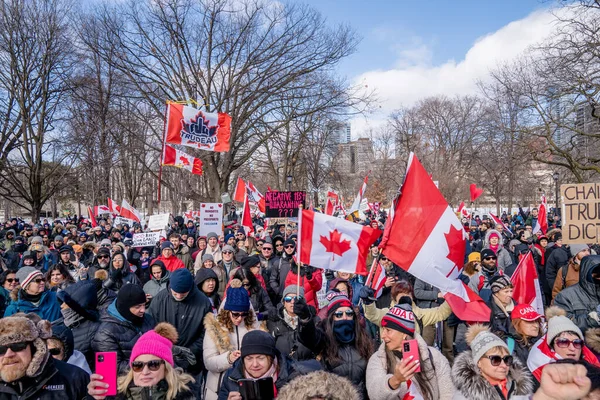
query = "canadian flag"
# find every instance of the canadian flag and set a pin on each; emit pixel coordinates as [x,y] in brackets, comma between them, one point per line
[374,207]
[91,217]
[413,392]
[179,159]
[527,285]
[542,220]
[242,188]
[113,207]
[333,243]
[191,127]
[247,218]
[127,211]
[356,205]
[462,210]
[499,221]
[101,210]
[428,241]
[376,280]
[541,355]
[332,202]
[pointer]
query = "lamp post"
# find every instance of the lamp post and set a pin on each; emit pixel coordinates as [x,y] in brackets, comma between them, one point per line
[555,176]
[289,182]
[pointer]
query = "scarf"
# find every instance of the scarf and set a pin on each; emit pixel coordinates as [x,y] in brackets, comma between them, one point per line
[505,309]
[291,321]
[32,298]
[344,331]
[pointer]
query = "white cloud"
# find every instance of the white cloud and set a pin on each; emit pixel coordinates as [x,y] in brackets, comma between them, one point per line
[414,77]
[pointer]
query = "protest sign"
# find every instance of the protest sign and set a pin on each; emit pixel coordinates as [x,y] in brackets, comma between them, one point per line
[158,222]
[581,213]
[211,218]
[123,221]
[283,204]
[147,239]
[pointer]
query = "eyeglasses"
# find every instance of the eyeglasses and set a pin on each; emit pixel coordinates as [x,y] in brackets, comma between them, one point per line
[238,314]
[14,347]
[228,252]
[55,351]
[489,258]
[563,343]
[496,360]
[39,280]
[11,280]
[104,256]
[288,299]
[290,246]
[340,314]
[153,365]
[105,245]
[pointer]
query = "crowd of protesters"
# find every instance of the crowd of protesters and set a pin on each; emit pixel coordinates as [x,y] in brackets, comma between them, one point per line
[195,316]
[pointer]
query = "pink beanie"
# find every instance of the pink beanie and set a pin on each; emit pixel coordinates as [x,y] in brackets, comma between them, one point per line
[158,342]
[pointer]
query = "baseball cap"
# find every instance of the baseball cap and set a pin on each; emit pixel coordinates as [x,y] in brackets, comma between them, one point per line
[524,312]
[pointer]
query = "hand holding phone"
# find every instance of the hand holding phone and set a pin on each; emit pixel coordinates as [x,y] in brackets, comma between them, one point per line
[106,368]
[410,348]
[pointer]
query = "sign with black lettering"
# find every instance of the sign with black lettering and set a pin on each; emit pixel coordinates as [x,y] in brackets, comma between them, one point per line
[581,213]
[283,204]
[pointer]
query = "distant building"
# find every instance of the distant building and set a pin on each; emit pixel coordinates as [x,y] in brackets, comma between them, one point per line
[344,133]
[355,157]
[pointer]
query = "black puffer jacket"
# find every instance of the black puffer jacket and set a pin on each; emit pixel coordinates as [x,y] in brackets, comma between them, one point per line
[58,380]
[557,259]
[582,298]
[279,272]
[116,279]
[499,321]
[157,392]
[286,338]
[118,334]
[187,316]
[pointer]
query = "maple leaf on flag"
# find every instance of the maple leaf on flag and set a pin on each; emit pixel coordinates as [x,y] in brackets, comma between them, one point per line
[456,246]
[184,160]
[334,244]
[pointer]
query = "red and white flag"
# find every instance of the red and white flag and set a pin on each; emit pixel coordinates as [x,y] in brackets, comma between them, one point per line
[247,218]
[413,392]
[127,211]
[113,207]
[242,188]
[331,203]
[91,217]
[425,238]
[527,285]
[541,355]
[542,220]
[374,207]
[333,243]
[179,159]
[499,221]
[376,280]
[462,210]
[356,205]
[101,210]
[191,127]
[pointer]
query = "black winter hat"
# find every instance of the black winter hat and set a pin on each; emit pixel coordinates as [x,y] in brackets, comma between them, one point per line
[130,295]
[288,242]
[487,253]
[65,335]
[250,261]
[66,248]
[103,251]
[258,342]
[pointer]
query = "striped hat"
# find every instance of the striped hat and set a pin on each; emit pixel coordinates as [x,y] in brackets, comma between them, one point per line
[400,318]
[337,300]
[26,274]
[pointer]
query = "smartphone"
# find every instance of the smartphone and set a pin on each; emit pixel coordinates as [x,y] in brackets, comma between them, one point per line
[411,348]
[260,389]
[106,366]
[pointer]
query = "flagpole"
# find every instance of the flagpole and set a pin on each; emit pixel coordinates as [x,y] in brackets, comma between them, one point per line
[299,249]
[162,152]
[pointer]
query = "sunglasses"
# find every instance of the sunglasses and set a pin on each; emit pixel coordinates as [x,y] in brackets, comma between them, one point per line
[104,256]
[38,280]
[340,314]
[278,245]
[153,365]
[228,252]
[105,245]
[55,351]
[267,248]
[238,314]
[383,259]
[11,280]
[563,343]
[288,299]
[14,347]
[496,360]
[290,246]
[490,258]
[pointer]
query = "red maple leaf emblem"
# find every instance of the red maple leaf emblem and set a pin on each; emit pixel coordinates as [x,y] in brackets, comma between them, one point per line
[334,244]
[184,160]
[456,247]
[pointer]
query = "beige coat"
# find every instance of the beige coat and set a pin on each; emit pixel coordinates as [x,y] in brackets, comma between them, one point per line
[218,343]
[427,316]
[431,359]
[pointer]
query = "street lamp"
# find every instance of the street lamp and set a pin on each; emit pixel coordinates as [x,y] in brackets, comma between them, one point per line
[555,176]
[289,182]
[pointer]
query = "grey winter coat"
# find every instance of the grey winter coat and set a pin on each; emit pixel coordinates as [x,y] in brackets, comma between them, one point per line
[153,286]
[504,259]
[581,300]
[471,385]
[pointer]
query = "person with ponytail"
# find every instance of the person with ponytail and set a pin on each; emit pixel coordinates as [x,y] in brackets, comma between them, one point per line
[392,375]
[152,374]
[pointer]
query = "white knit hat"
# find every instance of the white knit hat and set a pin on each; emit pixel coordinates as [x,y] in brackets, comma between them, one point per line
[559,323]
[481,340]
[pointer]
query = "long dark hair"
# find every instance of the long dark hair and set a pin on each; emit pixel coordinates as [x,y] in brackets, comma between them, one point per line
[423,378]
[362,342]
[245,274]
[63,271]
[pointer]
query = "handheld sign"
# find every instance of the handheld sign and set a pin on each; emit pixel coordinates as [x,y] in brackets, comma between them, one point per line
[147,239]
[211,218]
[580,213]
[283,204]
[158,222]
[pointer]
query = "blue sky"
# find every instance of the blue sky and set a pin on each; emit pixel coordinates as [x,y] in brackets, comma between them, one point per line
[447,28]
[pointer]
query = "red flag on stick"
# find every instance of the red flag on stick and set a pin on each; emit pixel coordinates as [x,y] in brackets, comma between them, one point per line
[475,192]
[91,217]
[542,220]
[527,285]
[247,218]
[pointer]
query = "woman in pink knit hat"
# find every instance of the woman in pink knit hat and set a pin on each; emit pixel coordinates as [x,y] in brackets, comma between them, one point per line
[152,373]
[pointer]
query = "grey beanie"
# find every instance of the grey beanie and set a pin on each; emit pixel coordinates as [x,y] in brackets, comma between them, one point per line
[26,274]
[212,235]
[483,341]
[59,237]
[292,289]
[207,257]
[228,248]
[37,240]
[577,247]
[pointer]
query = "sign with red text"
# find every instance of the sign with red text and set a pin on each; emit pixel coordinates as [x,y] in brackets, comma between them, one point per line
[211,218]
[283,204]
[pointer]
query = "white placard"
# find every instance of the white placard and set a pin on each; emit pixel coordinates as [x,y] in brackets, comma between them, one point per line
[147,239]
[123,221]
[211,218]
[158,222]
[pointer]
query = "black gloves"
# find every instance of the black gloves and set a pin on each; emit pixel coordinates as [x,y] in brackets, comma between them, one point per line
[301,309]
[367,295]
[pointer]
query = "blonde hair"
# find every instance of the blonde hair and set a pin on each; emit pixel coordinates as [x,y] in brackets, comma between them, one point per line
[177,381]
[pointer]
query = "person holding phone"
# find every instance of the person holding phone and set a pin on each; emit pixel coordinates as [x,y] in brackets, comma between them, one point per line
[404,364]
[152,373]
[488,369]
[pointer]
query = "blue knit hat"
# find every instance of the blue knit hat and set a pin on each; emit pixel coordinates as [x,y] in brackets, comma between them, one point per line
[227,237]
[182,280]
[237,297]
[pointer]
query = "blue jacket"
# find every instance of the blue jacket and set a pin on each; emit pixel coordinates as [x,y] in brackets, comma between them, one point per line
[48,308]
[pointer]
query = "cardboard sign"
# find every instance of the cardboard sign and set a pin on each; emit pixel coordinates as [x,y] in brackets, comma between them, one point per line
[211,218]
[147,239]
[581,213]
[283,204]
[123,221]
[158,222]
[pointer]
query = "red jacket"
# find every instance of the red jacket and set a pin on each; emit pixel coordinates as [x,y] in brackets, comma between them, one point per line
[311,287]
[172,263]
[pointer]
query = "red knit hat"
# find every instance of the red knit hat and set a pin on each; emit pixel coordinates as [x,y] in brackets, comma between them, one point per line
[158,342]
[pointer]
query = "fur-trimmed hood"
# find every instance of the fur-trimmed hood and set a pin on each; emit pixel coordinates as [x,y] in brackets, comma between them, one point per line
[219,334]
[486,242]
[468,380]
[319,384]
[592,339]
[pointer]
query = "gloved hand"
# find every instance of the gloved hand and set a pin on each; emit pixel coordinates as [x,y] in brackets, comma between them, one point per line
[367,295]
[309,273]
[116,275]
[465,279]
[183,355]
[301,309]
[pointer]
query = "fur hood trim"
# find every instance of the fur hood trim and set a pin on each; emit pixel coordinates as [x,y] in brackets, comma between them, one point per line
[319,384]
[592,339]
[468,380]
[487,239]
[90,246]
[220,335]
